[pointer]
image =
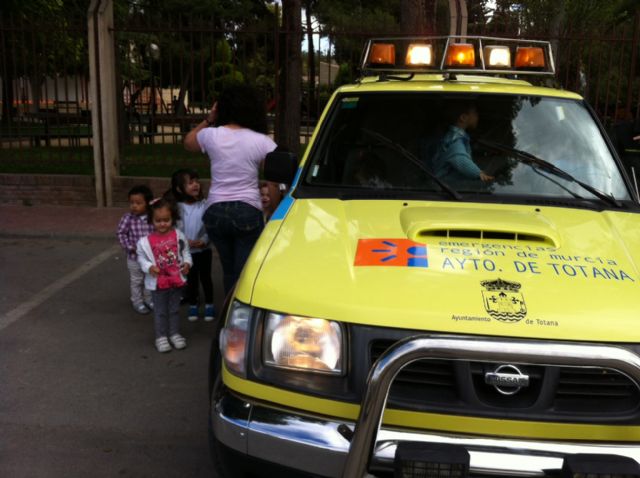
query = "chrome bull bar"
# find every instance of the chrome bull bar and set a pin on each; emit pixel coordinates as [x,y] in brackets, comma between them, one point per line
[409,350]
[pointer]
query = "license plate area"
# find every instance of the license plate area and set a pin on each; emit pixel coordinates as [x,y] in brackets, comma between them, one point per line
[430,460]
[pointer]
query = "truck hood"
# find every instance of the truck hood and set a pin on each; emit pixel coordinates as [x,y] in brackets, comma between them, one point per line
[519,271]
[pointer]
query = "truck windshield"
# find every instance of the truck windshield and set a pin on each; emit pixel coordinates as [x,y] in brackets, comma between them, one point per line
[440,143]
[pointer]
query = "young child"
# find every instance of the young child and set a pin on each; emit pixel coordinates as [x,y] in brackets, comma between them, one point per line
[132,227]
[453,163]
[164,257]
[187,192]
[270,196]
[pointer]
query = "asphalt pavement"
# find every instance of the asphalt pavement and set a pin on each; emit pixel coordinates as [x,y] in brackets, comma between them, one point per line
[61,222]
[82,390]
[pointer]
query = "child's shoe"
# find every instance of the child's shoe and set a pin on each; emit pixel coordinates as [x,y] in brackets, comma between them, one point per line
[178,341]
[140,308]
[162,345]
[209,313]
[193,313]
[149,304]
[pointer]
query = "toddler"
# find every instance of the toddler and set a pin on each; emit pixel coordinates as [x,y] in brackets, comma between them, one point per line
[132,227]
[270,196]
[164,257]
[186,189]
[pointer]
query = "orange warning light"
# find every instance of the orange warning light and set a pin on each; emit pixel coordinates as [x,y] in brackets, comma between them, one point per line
[529,57]
[382,54]
[460,55]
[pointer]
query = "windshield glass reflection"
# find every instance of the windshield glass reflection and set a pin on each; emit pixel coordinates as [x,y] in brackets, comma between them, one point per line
[418,142]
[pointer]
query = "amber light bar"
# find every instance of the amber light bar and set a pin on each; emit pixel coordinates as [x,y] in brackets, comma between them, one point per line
[463,54]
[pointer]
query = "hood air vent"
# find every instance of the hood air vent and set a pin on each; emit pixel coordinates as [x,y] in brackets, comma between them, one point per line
[490,224]
[475,234]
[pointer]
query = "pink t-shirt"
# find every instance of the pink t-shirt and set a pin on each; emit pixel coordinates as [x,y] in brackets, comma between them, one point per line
[166,252]
[235,156]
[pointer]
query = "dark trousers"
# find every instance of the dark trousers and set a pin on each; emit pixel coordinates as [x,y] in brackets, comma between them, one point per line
[200,273]
[233,227]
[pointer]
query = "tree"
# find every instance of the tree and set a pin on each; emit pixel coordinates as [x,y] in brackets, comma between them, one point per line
[289,92]
[417,17]
[201,47]
[309,7]
[188,35]
[349,23]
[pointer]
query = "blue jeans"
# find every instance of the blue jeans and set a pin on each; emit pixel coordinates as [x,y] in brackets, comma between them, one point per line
[233,227]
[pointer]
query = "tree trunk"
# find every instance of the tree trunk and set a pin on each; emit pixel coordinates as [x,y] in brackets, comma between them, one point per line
[7,92]
[36,93]
[288,101]
[311,63]
[413,17]
[555,27]
[431,7]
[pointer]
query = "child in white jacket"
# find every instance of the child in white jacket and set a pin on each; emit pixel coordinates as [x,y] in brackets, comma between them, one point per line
[165,259]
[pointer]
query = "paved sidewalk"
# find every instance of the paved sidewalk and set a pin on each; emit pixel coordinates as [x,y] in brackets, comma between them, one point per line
[65,222]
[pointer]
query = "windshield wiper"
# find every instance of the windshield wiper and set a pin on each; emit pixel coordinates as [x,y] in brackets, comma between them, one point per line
[535,162]
[411,157]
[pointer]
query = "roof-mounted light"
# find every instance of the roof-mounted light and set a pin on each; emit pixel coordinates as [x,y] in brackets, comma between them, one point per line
[530,58]
[382,54]
[460,55]
[419,54]
[457,54]
[497,56]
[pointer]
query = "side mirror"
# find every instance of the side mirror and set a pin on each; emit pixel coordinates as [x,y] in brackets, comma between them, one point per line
[280,167]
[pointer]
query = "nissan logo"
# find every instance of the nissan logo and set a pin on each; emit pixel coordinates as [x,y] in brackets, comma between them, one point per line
[507,379]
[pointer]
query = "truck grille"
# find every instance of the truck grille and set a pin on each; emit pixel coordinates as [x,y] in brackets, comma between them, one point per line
[423,381]
[591,390]
[557,393]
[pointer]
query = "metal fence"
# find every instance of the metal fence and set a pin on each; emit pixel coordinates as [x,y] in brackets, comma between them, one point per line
[45,112]
[169,71]
[169,74]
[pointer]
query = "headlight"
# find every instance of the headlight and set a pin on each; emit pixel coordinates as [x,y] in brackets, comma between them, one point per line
[303,343]
[234,337]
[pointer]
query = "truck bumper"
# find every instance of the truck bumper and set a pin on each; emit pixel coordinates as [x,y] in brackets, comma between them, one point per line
[314,444]
[323,446]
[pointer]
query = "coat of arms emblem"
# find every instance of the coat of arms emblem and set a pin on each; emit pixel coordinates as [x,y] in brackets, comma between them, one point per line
[503,300]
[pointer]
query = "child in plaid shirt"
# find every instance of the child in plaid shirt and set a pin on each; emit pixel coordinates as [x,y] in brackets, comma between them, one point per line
[132,227]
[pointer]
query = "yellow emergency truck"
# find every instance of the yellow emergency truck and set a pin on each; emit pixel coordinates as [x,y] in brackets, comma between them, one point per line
[450,288]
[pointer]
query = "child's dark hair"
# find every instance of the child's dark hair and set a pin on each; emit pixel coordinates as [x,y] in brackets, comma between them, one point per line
[457,108]
[178,180]
[144,191]
[159,203]
[243,105]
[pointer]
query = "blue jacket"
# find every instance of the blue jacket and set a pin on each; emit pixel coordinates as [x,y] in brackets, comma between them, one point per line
[453,161]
